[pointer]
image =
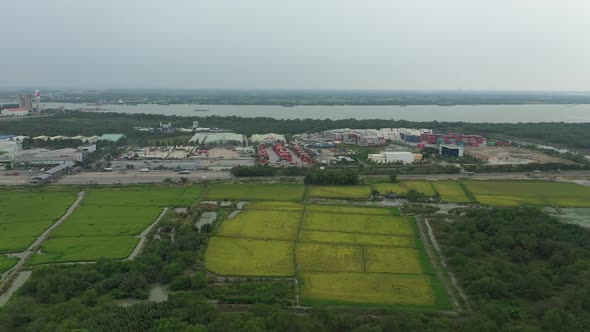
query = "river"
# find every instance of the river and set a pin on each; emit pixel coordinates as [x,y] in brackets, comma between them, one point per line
[465,113]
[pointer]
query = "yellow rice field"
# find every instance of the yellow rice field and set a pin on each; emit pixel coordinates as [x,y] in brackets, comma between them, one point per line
[263,224]
[317,257]
[367,288]
[392,260]
[246,257]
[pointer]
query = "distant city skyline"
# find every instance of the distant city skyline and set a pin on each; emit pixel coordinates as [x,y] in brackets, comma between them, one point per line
[384,45]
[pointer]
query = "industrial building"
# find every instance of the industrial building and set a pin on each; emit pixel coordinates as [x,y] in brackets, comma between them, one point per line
[52,174]
[395,157]
[217,139]
[374,137]
[452,139]
[112,137]
[454,151]
[15,112]
[47,157]
[9,148]
[87,148]
[26,102]
[269,138]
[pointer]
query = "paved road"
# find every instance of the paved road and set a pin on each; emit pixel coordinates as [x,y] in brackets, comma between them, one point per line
[140,177]
[143,235]
[159,176]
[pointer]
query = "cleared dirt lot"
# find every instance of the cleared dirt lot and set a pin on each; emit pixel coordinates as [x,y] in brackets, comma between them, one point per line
[500,155]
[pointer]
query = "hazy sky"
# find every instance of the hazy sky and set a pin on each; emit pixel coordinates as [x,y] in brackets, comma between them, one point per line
[339,44]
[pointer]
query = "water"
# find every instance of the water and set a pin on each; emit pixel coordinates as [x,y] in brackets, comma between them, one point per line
[465,113]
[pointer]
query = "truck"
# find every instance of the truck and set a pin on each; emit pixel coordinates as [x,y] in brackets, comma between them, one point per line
[144,169]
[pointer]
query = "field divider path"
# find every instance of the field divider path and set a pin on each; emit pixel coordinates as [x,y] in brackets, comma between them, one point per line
[450,276]
[364,258]
[143,236]
[36,245]
[297,290]
[468,192]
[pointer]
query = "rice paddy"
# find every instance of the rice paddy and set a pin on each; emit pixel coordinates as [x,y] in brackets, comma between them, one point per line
[347,192]
[256,192]
[451,191]
[514,193]
[344,255]
[247,257]
[6,263]
[403,187]
[108,220]
[24,215]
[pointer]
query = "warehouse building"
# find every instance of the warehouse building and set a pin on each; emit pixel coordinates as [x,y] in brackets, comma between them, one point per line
[14,112]
[217,139]
[269,138]
[395,157]
[52,174]
[47,157]
[112,137]
[9,148]
[451,151]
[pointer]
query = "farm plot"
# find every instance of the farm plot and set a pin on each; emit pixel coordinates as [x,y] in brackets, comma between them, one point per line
[368,288]
[353,210]
[263,224]
[350,192]
[25,215]
[405,186]
[247,257]
[6,263]
[146,196]
[107,222]
[358,223]
[513,193]
[393,260]
[83,249]
[357,238]
[283,206]
[317,257]
[256,192]
[341,254]
[451,191]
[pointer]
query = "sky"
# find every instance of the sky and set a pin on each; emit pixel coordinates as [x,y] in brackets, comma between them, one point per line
[297,44]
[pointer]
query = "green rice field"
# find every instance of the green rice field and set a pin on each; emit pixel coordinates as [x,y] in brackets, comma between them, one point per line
[6,263]
[256,192]
[107,222]
[451,191]
[349,192]
[514,193]
[24,215]
[403,187]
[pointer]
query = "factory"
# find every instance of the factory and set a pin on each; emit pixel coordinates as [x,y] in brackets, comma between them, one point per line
[14,112]
[270,138]
[112,137]
[47,157]
[217,139]
[389,157]
[374,137]
[52,174]
[89,139]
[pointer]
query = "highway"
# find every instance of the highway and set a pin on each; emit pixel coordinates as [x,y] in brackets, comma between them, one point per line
[155,176]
